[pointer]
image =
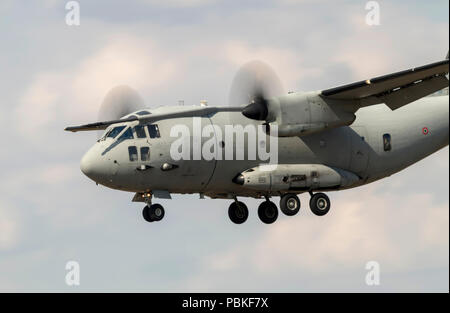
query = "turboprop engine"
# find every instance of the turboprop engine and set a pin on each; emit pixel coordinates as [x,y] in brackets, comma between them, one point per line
[294,114]
[295,177]
[299,114]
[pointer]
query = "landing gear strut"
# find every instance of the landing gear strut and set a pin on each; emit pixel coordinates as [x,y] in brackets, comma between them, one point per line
[320,204]
[153,213]
[238,212]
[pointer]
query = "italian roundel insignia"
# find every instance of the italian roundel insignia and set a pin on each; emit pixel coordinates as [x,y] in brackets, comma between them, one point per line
[425,131]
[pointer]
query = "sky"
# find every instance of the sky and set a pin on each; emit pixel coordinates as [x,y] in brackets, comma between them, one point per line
[54,75]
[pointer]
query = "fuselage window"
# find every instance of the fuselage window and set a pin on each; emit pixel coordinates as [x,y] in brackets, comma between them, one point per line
[153,131]
[128,134]
[140,131]
[115,131]
[145,154]
[387,142]
[132,152]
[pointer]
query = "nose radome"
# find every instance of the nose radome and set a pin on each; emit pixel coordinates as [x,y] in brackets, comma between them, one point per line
[95,166]
[87,164]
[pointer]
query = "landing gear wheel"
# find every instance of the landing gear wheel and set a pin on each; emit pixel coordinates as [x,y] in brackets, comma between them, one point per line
[268,212]
[290,204]
[238,212]
[320,204]
[146,214]
[153,213]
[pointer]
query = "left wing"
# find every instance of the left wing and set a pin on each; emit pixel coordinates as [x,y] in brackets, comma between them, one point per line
[397,89]
[176,112]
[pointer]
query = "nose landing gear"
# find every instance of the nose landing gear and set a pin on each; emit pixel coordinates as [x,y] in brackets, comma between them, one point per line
[153,213]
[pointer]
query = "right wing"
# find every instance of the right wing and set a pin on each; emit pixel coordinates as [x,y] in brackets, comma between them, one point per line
[397,89]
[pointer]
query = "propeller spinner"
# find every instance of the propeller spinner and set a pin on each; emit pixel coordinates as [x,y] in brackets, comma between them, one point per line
[255,83]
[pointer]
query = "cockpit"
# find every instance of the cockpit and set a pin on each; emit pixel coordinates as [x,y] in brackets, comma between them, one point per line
[127,132]
[119,134]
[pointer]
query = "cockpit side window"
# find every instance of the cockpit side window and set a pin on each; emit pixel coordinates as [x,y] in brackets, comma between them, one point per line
[140,131]
[153,131]
[115,131]
[128,134]
[133,154]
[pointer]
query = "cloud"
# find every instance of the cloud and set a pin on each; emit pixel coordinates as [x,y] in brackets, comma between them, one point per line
[9,227]
[286,62]
[76,93]
[179,3]
[360,231]
[401,233]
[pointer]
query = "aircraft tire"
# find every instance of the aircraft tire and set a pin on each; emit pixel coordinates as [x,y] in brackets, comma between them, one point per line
[290,204]
[268,212]
[320,204]
[146,214]
[238,212]
[156,212]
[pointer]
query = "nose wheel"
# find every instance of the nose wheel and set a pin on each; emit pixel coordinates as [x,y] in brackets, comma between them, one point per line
[153,213]
[320,204]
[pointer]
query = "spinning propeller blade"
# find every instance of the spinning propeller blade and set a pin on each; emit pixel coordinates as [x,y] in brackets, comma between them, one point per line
[255,83]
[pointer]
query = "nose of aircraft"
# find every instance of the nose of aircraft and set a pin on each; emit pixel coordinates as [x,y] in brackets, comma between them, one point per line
[87,165]
[93,166]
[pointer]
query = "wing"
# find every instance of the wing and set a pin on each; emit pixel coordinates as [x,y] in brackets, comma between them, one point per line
[397,89]
[174,112]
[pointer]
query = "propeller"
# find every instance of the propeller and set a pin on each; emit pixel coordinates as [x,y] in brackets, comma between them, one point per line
[255,83]
[118,102]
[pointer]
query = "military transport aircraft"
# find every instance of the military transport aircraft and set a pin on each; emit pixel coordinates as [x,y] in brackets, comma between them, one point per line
[319,141]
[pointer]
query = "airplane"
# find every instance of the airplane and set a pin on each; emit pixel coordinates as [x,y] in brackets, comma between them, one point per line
[324,141]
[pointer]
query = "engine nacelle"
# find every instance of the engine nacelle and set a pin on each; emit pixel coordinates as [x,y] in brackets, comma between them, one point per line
[301,114]
[295,177]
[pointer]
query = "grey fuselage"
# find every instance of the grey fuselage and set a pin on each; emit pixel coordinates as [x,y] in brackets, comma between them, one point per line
[414,131]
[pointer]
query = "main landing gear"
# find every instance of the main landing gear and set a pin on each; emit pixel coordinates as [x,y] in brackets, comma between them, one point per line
[320,204]
[238,212]
[268,212]
[290,205]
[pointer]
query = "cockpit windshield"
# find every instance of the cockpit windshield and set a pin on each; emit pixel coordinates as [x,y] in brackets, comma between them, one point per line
[115,131]
[128,134]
